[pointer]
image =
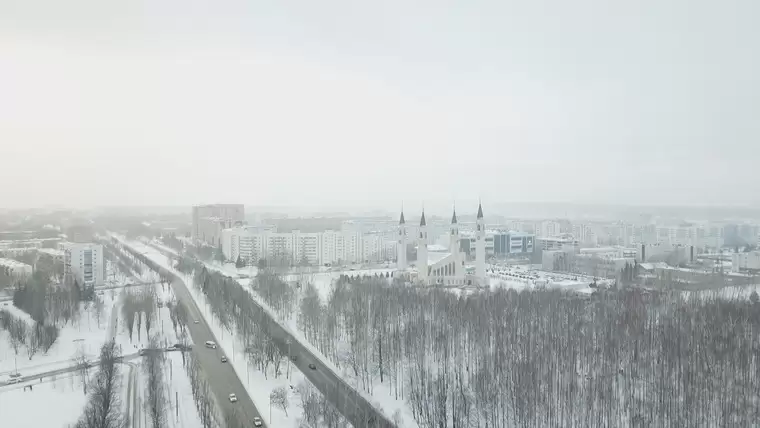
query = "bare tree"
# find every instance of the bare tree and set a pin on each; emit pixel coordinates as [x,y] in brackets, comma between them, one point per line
[103,409]
[279,398]
[157,402]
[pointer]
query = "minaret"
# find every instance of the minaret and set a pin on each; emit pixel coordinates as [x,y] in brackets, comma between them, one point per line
[454,244]
[480,247]
[422,255]
[401,248]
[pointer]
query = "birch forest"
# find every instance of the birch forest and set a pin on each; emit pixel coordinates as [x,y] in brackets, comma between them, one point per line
[544,358]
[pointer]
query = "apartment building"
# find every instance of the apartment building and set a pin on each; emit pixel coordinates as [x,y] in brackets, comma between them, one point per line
[83,263]
[315,248]
[210,220]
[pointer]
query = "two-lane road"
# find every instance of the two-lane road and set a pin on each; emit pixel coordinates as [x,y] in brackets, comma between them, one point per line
[221,376]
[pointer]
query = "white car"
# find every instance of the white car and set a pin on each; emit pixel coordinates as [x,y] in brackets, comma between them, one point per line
[195,322]
[233,398]
[257,421]
[14,380]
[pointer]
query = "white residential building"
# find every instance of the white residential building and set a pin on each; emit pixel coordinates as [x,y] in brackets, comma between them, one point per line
[316,248]
[210,220]
[15,268]
[742,262]
[548,229]
[84,263]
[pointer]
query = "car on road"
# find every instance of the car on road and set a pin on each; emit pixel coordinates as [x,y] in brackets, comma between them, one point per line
[13,381]
[312,366]
[172,348]
[233,398]
[210,344]
[257,421]
[224,359]
[195,322]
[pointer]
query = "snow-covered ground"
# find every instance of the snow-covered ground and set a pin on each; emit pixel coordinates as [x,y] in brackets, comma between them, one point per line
[83,336]
[180,405]
[521,277]
[54,402]
[63,395]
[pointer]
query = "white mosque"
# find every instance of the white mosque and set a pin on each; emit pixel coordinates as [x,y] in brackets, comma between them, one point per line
[444,268]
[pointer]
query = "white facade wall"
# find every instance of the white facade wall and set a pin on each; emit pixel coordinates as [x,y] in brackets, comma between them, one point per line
[84,262]
[334,247]
[549,228]
[745,261]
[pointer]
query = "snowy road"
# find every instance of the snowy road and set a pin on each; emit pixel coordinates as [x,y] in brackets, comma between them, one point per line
[352,405]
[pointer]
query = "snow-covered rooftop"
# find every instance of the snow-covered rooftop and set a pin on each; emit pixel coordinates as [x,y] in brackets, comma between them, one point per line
[435,257]
[13,264]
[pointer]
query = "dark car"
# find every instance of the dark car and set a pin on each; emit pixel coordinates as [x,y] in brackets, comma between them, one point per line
[312,366]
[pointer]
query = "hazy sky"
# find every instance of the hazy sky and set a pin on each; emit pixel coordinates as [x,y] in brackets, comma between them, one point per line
[351,102]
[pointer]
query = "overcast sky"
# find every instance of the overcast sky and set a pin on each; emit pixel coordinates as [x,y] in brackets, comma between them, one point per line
[349,102]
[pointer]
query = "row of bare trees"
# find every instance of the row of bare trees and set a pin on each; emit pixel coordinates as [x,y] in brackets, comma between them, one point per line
[208,411]
[544,358]
[237,312]
[51,304]
[123,259]
[35,338]
[138,308]
[155,388]
[103,408]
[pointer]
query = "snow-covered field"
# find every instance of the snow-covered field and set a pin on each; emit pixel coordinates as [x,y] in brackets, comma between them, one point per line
[82,336]
[54,402]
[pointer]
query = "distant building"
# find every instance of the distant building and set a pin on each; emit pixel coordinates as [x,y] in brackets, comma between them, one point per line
[253,243]
[15,268]
[80,233]
[83,263]
[210,220]
[746,262]
[562,242]
[671,254]
[445,268]
[510,243]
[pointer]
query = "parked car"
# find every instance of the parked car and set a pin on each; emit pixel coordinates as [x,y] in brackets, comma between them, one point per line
[233,398]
